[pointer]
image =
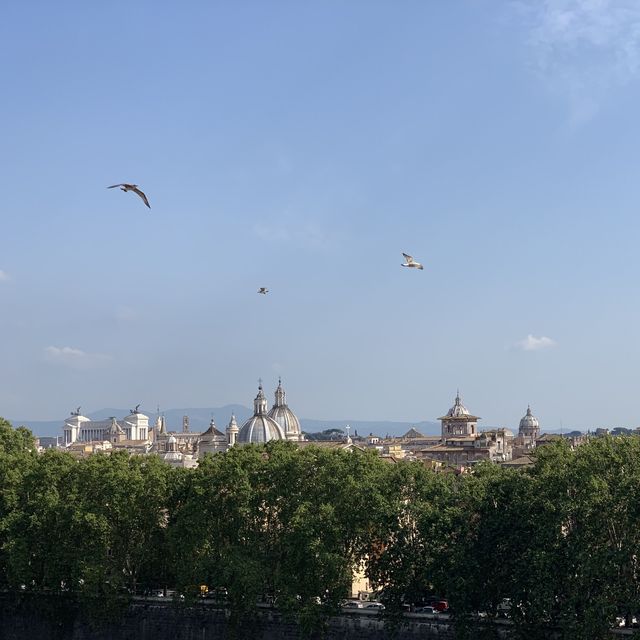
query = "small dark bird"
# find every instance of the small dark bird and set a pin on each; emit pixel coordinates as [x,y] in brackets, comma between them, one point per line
[131,187]
[263,290]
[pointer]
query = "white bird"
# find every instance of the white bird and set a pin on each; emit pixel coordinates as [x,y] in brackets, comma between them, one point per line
[131,187]
[263,290]
[410,262]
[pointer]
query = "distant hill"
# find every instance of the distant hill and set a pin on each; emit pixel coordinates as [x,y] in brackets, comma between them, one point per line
[199,420]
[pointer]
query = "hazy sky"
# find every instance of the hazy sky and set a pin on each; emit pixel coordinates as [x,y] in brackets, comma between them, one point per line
[303,146]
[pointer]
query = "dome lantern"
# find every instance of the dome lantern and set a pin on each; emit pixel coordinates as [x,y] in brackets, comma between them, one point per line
[260,402]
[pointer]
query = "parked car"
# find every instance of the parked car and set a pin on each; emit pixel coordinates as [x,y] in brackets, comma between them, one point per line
[621,621]
[427,609]
[375,605]
[351,604]
[440,605]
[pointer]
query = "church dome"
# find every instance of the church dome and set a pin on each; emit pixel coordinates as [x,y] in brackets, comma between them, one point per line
[260,428]
[458,410]
[282,414]
[529,421]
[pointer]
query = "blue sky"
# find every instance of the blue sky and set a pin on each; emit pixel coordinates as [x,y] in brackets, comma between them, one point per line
[303,147]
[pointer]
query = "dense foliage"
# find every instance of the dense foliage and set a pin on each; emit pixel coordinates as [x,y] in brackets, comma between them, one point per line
[559,542]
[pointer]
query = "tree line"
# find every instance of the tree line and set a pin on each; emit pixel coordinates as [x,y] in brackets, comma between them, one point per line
[558,541]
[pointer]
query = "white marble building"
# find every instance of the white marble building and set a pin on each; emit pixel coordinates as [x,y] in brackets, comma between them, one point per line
[79,428]
[181,448]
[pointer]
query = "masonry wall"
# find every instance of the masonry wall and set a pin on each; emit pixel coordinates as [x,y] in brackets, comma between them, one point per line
[51,619]
[26,620]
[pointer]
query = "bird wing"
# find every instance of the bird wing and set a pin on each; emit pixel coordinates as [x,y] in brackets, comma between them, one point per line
[115,185]
[141,194]
[408,258]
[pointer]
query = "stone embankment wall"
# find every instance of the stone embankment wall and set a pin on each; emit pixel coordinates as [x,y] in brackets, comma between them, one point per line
[52,618]
[167,621]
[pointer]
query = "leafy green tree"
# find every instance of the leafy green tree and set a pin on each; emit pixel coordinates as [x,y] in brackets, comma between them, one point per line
[121,520]
[414,527]
[39,545]
[94,528]
[211,533]
[600,531]
[17,455]
[278,521]
[326,505]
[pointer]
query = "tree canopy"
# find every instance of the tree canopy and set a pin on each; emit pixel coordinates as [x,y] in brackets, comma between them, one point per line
[558,542]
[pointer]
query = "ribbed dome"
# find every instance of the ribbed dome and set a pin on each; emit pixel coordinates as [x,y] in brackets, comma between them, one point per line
[286,419]
[529,421]
[260,427]
[172,456]
[283,415]
[458,410]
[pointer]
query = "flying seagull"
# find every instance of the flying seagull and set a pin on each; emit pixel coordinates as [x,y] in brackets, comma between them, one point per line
[131,187]
[263,290]
[410,262]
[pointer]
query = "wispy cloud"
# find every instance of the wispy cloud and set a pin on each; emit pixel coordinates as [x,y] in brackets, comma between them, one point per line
[583,48]
[531,343]
[75,358]
[4,276]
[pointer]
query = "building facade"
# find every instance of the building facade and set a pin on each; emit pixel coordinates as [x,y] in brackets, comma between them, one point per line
[461,444]
[79,428]
[182,448]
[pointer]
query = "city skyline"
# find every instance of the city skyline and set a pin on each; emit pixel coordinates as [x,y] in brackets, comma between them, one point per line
[303,149]
[202,416]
